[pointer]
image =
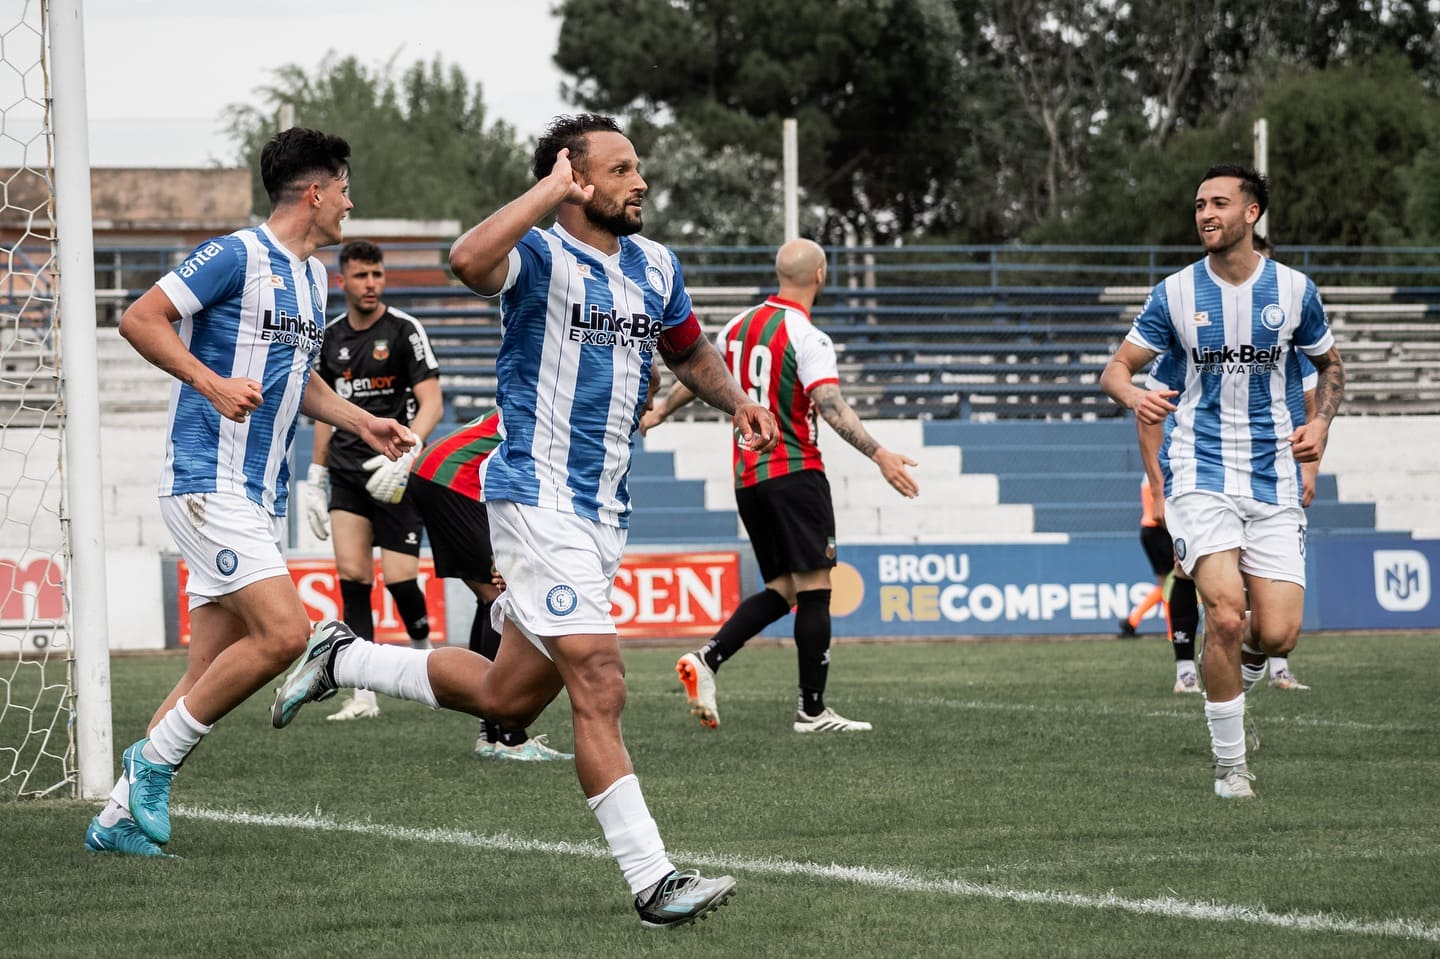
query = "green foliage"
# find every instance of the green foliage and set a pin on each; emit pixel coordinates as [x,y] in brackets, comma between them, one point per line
[421,145]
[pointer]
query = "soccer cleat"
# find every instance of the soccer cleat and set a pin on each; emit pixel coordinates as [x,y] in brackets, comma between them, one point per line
[683,897]
[149,792]
[828,721]
[1127,631]
[699,682]
[124,837]
[311,681]
[1187,683]
[1233,782]
[1284,679]
[533,750]
[355,709]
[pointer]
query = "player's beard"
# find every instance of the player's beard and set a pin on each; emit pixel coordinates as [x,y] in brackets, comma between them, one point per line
[612,217]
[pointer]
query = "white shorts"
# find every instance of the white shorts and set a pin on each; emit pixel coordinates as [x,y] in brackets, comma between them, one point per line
[1271,539]
[558,568]
[227,541]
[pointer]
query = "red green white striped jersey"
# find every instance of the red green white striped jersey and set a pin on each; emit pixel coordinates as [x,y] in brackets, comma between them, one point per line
[454,460]
[778,356]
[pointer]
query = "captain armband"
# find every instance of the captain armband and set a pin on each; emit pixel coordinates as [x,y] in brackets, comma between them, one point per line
[679,338]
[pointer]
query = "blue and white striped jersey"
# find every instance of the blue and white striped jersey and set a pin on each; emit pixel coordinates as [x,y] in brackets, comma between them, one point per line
[1241,390]
[578,337]
[248,307]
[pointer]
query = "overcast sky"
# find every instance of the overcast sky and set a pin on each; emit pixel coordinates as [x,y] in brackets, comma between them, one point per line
[159,72]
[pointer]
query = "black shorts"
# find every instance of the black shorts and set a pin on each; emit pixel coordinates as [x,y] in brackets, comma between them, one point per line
[459,530]
[791,522]
[396,527]
[1159,548]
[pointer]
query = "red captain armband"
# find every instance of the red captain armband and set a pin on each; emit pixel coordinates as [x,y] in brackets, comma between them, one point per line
[679,338]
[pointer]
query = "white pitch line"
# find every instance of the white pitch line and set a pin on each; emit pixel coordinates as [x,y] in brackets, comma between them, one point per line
[893,879]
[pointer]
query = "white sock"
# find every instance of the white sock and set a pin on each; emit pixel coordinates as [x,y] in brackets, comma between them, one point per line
[116,809]
[631,832]
[1227,730]
[367,696]
[1279,664]
[393,670]
[1184,667]
[174,735]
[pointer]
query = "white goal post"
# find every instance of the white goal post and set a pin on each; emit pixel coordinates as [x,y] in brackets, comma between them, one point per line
[55,723]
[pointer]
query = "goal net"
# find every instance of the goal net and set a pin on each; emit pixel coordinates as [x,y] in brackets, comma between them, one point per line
[37,700]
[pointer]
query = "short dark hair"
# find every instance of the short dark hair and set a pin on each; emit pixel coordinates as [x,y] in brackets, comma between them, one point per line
[362,250]
[1253,183]
[568,132]
[293,154]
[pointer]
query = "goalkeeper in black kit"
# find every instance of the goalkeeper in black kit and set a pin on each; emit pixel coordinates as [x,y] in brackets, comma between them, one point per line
[380,359]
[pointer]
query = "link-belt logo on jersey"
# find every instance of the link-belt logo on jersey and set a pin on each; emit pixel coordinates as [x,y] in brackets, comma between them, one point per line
[607,328]
[1247,359]
[280,327]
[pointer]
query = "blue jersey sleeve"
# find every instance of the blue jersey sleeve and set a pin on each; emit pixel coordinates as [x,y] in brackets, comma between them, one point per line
[213,273]
[1312,335]
[1152,328]
[677,306]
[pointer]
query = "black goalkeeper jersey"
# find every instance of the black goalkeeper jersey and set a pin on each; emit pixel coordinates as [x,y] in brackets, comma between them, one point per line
[376,369]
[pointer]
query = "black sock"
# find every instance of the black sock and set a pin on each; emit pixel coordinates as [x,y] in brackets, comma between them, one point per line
[509,737]
[812,647]
[1184,617]
[410,602]
[355,597]
[483,637]
[753,614]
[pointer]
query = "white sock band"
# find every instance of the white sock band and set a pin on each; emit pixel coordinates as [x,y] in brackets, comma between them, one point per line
[631,832]
[1279,664]
[1227,731]
[176,734]
[393,670]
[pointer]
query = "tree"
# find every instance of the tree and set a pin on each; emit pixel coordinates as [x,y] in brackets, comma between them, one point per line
[422,149]
[872,83]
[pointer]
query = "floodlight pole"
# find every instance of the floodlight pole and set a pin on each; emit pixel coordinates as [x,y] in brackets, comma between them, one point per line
[1262,166]
[790,142]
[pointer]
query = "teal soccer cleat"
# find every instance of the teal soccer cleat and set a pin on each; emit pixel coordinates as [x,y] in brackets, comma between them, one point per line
[149,792]
[311,681]
[683,897]
[124,837]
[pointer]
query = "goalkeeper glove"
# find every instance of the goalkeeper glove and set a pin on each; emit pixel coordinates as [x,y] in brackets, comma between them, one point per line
[317,500]
[388,478]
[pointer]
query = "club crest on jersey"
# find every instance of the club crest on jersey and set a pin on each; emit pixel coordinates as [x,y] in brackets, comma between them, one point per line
[656,279]
[381,350]
[1272,317]
[561,600]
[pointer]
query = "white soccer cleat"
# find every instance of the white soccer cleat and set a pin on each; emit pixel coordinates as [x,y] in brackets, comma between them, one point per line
[1187,683]
[1233,782]
[828,721]
[1284,679]
[699,682]
[355,709]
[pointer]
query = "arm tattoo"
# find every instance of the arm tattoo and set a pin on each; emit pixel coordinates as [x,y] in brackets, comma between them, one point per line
[842,418]
[703,372]
[1331,386]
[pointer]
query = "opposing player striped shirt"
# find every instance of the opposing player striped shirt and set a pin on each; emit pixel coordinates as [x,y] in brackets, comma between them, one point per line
[579,330]
[1239,349]
[251,308]
[454,460]
[778,356]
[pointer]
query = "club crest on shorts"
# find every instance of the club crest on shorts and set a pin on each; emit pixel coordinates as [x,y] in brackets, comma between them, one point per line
[561,600]
[1180,548]
[226,561]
